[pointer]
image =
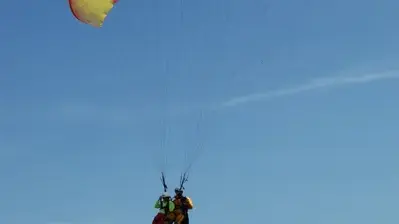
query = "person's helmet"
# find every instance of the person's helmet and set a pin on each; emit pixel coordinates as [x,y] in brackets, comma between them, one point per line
[165,195]
[178,190]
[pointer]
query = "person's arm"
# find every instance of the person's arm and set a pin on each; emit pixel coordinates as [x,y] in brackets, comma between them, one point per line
[157,204]
[188,203]
[171,206]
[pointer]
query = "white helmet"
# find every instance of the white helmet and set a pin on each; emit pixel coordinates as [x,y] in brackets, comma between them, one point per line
[165,195]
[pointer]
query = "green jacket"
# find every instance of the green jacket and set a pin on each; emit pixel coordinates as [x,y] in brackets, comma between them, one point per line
[163,206]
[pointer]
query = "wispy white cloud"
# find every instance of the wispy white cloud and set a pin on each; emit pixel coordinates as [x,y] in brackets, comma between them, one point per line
[312,85]
[75,111]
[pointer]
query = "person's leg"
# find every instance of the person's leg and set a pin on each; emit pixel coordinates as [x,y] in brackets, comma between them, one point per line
[186,219]
[170,218]
[180,219]
[158,219]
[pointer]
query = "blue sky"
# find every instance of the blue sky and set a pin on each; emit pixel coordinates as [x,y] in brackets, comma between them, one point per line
[299,101]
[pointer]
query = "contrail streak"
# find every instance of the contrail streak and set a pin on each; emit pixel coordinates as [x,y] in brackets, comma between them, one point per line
[312,85]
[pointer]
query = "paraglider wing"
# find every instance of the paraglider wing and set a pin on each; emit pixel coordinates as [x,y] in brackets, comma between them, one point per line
[91,12]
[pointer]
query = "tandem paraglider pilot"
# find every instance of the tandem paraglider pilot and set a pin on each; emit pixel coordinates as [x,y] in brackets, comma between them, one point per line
[166,210]
[182,205]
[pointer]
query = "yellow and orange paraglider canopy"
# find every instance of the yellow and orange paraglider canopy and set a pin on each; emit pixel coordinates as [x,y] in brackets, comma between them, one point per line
[91,12]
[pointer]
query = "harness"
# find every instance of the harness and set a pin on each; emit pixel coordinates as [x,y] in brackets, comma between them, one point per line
[165,189]
[180,205]
[164,205]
